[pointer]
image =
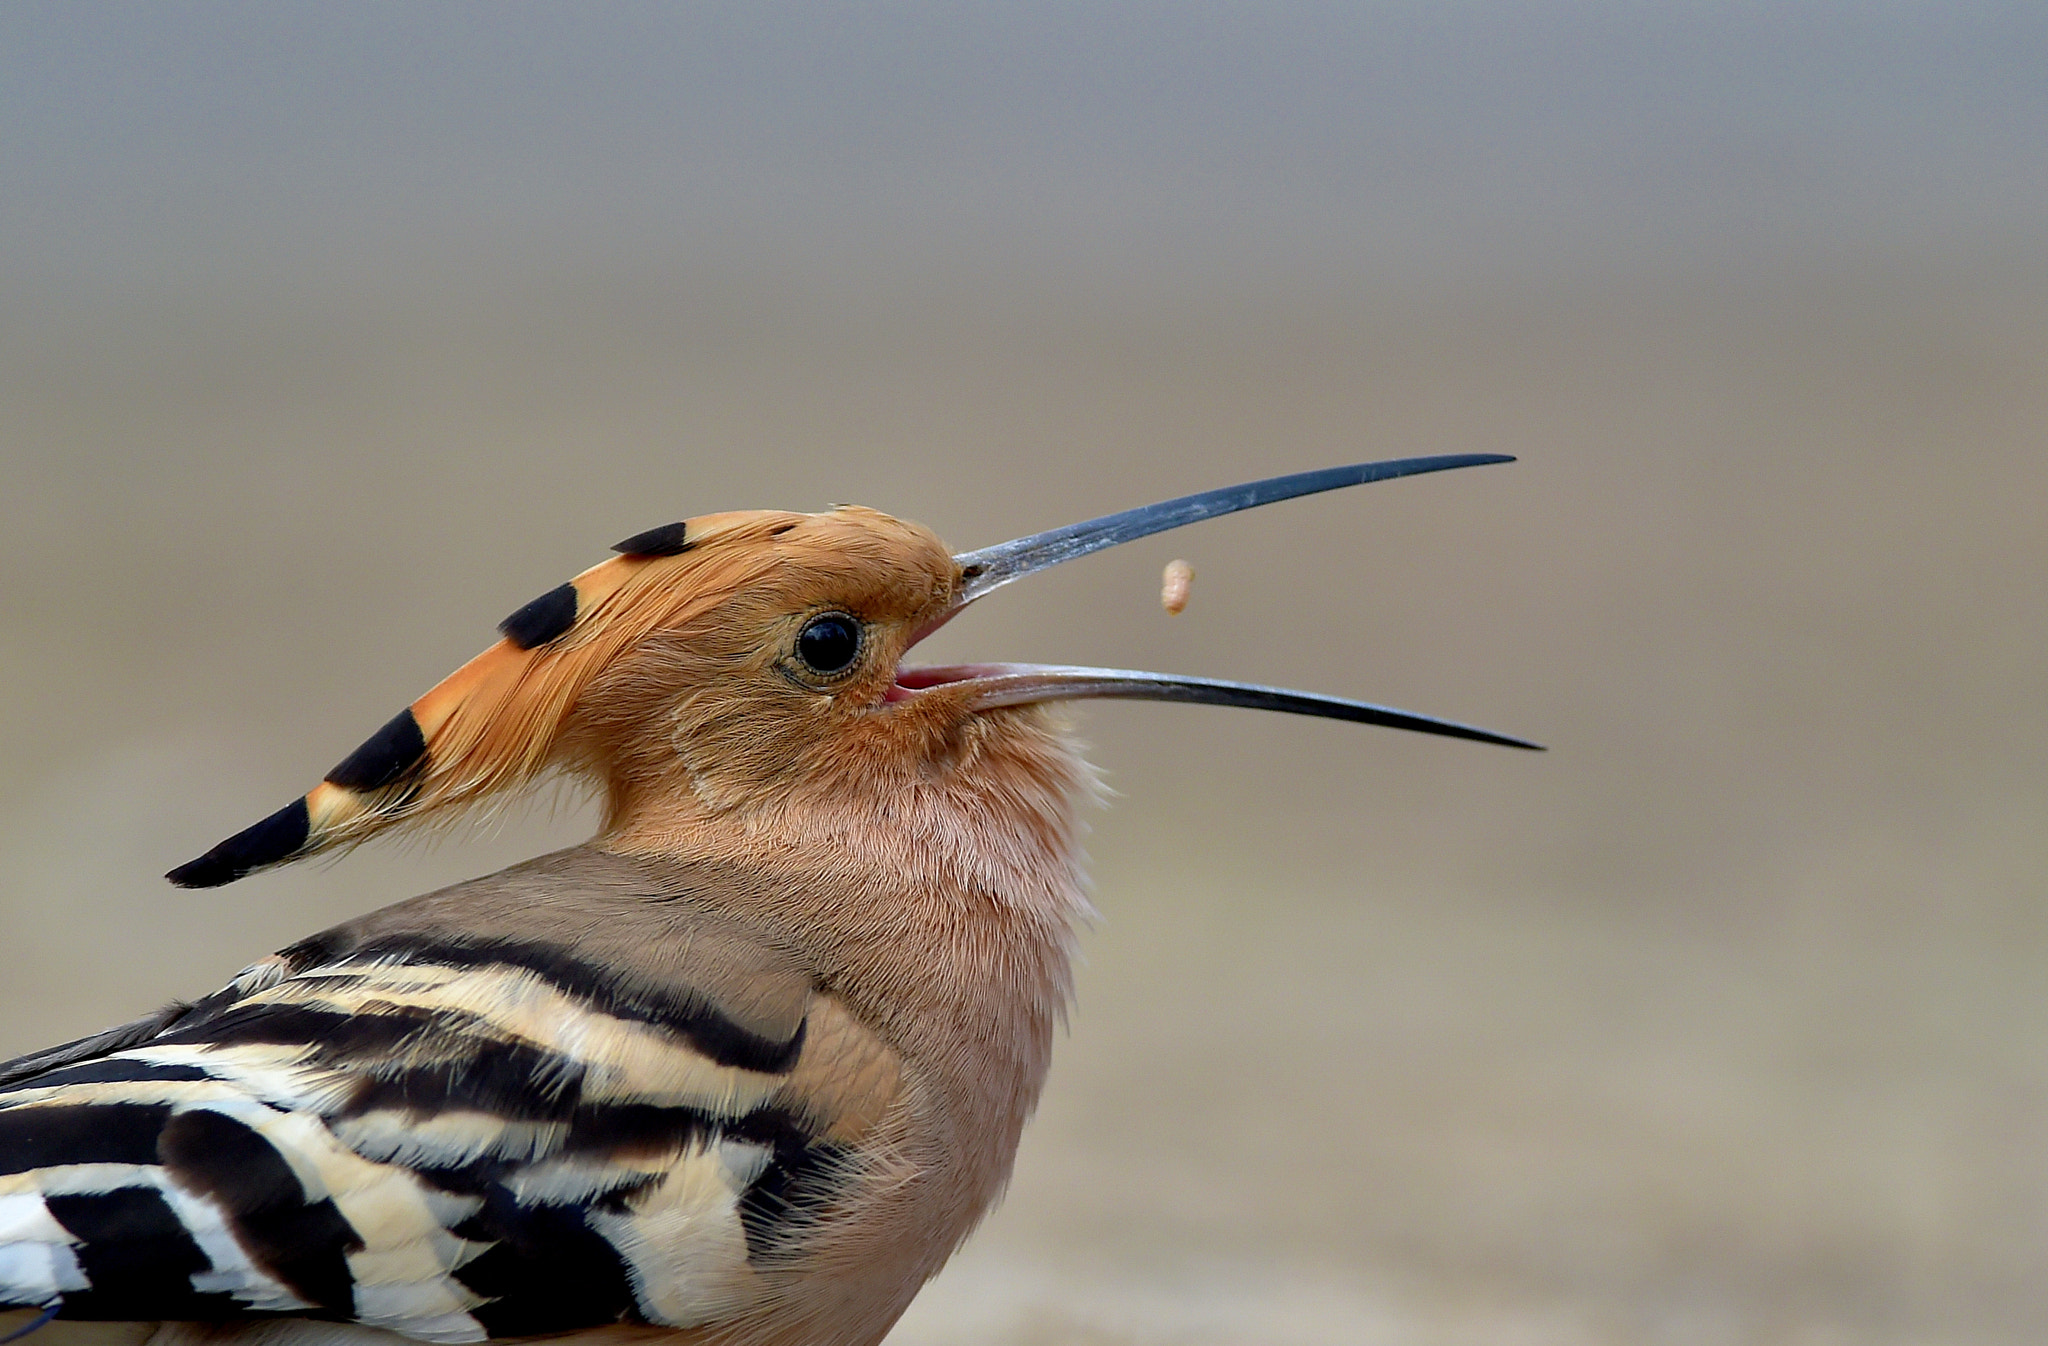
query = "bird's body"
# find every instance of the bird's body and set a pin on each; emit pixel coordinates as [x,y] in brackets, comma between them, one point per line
[647,1093]
[746,1068]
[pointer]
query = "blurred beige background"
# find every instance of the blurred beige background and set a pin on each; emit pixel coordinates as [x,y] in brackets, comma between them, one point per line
[329,337]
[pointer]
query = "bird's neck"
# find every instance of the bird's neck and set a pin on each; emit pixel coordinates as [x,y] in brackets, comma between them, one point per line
[917,892]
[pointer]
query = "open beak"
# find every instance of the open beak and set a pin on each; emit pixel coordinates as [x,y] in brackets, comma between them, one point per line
[984,571]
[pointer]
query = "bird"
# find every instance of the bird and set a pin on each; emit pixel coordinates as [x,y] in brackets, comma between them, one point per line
[745,1068]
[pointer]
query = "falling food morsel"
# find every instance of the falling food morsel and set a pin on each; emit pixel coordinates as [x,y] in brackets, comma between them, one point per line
[1173,592]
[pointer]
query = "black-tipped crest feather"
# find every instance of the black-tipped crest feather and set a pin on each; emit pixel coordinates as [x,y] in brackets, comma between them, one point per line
[385,757]
[542,620]
[667,540]
[276,838]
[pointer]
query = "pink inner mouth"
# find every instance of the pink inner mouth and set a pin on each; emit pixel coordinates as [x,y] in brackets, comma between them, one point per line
[910,681]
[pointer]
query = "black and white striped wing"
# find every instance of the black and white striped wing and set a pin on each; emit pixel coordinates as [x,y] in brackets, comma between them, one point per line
[455,1140]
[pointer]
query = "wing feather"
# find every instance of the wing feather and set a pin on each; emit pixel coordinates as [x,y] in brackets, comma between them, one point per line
[451,1138]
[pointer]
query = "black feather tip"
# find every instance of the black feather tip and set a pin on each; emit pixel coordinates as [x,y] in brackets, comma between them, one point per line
[387,756]
[667,540]
[542,620]
[279,837]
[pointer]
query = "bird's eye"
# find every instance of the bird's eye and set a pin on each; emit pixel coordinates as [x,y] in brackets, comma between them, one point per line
[829,644]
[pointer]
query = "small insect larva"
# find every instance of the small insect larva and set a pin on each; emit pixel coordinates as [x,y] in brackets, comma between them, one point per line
[1173,591]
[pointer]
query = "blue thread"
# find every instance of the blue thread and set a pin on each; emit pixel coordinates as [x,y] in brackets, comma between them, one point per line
[42,1320]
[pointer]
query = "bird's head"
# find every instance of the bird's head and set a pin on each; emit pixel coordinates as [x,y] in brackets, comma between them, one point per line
[741,661]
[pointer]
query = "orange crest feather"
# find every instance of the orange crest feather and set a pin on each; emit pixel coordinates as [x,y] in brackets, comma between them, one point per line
[492,725]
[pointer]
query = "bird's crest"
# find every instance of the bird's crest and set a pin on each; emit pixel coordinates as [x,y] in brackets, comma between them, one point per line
[492,725]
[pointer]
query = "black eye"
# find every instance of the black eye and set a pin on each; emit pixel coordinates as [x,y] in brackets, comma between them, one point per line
[829,644]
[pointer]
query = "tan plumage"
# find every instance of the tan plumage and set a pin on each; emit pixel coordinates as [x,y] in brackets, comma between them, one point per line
[745,1068]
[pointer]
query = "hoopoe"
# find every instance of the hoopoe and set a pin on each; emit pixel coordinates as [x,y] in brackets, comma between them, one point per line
[745,1068]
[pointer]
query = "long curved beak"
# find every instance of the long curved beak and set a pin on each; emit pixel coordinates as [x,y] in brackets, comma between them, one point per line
[984,571]
[1022,684]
